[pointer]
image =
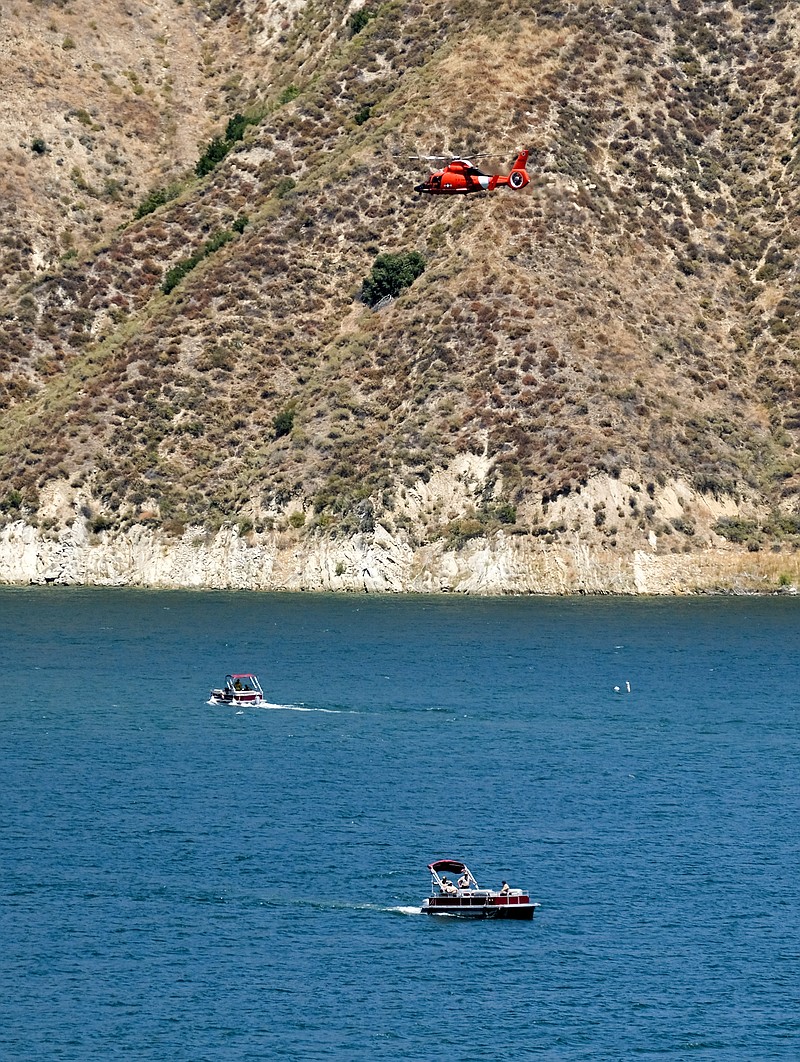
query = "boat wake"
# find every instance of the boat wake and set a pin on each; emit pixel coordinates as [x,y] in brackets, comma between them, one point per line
[284,707]
[329,906]
[302,708]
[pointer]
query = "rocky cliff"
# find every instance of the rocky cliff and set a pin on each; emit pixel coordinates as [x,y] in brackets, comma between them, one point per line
[381,561]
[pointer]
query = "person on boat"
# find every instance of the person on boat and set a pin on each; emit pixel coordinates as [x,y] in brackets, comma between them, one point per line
[237,685]
[448,888]
[504,889]
[463,881]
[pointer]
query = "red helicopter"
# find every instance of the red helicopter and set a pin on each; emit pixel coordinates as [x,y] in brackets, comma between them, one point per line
[461,176]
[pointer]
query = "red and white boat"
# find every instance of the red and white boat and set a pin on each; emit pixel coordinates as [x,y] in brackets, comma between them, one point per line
[467,899]
[243,689]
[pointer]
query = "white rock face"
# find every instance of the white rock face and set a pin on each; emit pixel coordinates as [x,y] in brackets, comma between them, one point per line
[582,557]
[374,563]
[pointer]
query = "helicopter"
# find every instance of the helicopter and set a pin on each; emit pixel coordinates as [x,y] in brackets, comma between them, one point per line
[460,176]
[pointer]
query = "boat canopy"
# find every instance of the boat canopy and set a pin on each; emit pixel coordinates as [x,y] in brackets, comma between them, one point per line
[245,681]
[448,866]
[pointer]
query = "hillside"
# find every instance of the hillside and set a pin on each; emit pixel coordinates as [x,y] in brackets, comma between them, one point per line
[605,361]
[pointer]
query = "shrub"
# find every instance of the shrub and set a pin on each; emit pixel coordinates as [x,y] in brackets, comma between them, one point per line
[284,186]
[235,129]
[680,523]
[175,275]
[214,153]
[219,147]
[218,240]
[284,421]
[359,19]
[462,530]
[505,512]
[101,523]
[11,502]
[154,199]
[736,529]
[390,274]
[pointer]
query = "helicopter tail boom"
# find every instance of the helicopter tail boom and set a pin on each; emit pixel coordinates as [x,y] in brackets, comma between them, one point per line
[522,160]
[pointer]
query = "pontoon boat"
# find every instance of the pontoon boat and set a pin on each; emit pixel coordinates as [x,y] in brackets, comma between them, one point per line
[240,690]
[466,899]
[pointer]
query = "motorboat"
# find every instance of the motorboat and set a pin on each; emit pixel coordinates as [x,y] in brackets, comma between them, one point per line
[466,899]
[241,690]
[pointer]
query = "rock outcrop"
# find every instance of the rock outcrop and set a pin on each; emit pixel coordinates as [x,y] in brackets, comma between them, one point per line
[377,562]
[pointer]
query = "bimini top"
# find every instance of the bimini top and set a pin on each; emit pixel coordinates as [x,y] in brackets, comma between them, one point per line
[449,866]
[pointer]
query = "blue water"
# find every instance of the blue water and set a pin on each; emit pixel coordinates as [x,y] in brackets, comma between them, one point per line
[180,881]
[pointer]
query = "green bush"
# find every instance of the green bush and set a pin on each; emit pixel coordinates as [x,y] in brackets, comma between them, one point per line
[460,531]
[359,19]
[235,129]
[219,147]
[101,523]
[156,198]
[284,421]
[736,529]
[284,186]
[504,512]
[175,275]
[213,154]
[390,274]
[218,240]
[11,502]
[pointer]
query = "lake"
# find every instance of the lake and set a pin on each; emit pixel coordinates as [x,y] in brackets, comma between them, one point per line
[184,881]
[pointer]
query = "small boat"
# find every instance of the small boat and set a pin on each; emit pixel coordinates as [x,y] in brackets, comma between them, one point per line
[241,689]
[468,900]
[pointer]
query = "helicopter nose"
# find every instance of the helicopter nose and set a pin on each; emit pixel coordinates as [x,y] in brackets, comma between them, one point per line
[421,188]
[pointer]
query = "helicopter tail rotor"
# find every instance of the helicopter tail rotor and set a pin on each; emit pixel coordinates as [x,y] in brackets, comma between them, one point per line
[518,177]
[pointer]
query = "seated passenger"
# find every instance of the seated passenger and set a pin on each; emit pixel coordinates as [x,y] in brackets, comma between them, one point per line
[463,881]
[448,888]
[504,889]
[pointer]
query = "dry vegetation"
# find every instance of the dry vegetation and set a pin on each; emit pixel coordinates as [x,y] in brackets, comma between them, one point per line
[636,308]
